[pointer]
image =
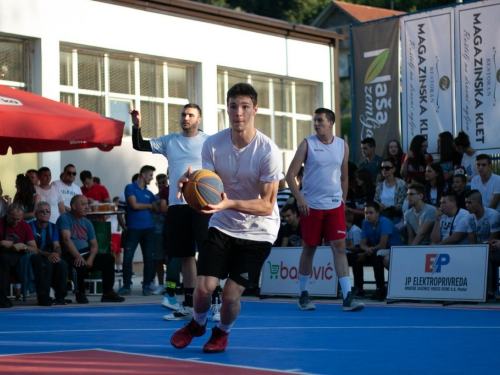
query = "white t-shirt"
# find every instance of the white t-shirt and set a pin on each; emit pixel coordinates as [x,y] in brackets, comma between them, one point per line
[458,223]
[181,153]
[68,192]
[487,190]
[241,171]
[52,196]
[469,164]
[321,187]
[489,223]
[387,196]
[354,235]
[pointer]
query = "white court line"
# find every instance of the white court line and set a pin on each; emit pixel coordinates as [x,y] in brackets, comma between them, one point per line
[254,328]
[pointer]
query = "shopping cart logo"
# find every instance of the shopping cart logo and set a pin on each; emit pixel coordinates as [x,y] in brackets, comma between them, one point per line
[274,268]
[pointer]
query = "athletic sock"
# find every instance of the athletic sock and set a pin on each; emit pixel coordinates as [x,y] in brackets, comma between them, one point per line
[216,295]
[200,318]
[171,288]
[225,327]
[303,283]
[345,284]
[188,297]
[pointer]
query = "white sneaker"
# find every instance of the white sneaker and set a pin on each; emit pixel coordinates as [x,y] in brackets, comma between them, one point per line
[216,312]
[170,303]
[153,287]
[159,290]
[184,313]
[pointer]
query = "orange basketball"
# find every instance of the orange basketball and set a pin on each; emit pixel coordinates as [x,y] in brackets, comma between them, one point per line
[203,188]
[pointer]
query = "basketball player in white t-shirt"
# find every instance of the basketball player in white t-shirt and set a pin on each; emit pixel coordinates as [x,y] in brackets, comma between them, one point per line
[321,204]
[244,225]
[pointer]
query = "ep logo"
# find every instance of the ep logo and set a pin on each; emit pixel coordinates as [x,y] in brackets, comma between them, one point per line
[433,262]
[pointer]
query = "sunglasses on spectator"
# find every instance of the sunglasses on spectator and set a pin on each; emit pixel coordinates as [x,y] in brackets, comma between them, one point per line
[386,168]
[44,211]
[71,173]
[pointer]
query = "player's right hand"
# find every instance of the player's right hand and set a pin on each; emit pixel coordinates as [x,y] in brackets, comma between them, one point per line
[184,178]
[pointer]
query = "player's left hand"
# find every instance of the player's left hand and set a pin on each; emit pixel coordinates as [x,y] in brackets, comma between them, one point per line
[224,204]
[184,178]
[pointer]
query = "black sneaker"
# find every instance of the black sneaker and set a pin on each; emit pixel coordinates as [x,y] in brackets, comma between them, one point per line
[305,302]
[81,298]
[111,297]
[356,292]
[59,302]
[5,303]
[44,301]
[379,295]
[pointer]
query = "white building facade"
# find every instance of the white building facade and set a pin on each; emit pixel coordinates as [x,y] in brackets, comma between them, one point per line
[112,56]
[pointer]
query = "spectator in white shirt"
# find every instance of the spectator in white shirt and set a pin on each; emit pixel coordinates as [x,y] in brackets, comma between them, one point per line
[487,182]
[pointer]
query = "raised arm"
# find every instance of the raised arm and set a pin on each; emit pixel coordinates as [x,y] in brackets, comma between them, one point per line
[138,143]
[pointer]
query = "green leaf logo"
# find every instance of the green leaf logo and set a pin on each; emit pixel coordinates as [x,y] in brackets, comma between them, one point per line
[376,66]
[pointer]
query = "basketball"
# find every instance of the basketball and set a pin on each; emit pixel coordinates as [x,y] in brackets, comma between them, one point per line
[203,188]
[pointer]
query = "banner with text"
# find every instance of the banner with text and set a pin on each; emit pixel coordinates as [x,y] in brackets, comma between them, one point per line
[375,84]
[427,41]
[478,74]
[280,273]
[443,273]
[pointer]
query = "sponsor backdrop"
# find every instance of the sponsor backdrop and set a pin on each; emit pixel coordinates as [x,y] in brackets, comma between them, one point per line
[478,74]
[443,273]
[280,273]
[375,83]
[427,76]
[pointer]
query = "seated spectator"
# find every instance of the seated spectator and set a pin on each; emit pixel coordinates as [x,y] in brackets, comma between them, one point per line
[484,223]
[371,161]
[417,158]
[17,240]
[292,234]
[48,247]
[283,196]
[459,188]
[364,192]
[483,227]
[462,145]
[352,242]
[32,174]
[450,227]
[50,194]
[80,251]
[378,235]
[390,193]
[435,184]
[449,158]
[419,219]
[487,182]
[395,152]
[26,197]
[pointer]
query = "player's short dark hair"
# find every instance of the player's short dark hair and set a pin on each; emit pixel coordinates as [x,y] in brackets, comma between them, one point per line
[193,105]
[146,169]
[84,175]
[242,89]
[41,170]
[419,188]
[330,115]
[484,157]
[373,205]
[462,177]
[135,177]
[32,171]
[160,176]
[450,194]
[289,207]
[69,166]
[475,195]
[370,142]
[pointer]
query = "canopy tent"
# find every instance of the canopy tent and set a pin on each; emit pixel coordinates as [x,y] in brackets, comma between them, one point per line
[32,123]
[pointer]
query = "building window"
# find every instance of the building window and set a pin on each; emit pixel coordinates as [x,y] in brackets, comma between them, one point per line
[285,106]
[112,84]
[14,62]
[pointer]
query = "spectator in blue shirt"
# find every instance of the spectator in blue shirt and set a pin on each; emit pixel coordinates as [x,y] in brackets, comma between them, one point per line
[49,248]
[140,229]
[378,234]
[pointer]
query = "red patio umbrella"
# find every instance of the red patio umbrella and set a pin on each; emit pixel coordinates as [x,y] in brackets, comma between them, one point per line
[32,123]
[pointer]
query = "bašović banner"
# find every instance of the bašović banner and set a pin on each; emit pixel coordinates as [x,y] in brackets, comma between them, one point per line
[375,83]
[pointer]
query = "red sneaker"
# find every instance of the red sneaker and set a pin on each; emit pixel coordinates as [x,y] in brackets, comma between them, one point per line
[184,336]
[218,341]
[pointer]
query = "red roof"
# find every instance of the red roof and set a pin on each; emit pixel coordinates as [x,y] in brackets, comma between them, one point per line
[363,13]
